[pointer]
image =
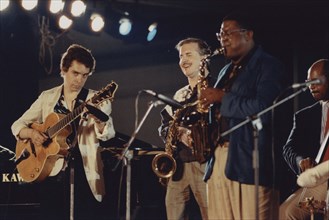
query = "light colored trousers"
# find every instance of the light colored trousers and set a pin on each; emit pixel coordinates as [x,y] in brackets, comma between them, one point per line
[178,192]
[289,209]
[232,200]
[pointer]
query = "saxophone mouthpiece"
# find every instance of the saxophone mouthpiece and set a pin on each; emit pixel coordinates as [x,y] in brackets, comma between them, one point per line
[218,51]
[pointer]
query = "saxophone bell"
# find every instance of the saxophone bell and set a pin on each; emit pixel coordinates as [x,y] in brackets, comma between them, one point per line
[164,165]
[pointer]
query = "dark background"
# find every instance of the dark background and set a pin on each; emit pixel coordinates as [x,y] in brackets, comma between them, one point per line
[294,31]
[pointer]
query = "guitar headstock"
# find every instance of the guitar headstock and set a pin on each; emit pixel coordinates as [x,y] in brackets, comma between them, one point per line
[106,93]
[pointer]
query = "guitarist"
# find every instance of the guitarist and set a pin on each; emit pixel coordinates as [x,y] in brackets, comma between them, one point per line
[77,64]
[307,134]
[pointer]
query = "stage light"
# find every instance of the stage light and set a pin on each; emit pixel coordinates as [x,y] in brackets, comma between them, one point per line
[78,8]
[125,26]
[4,4]
[97,22]
[56,6]
[152,31]
[64,22]
[29,4]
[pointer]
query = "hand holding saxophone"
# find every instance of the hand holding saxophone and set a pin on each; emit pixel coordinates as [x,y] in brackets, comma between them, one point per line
[184,136]
[210,96]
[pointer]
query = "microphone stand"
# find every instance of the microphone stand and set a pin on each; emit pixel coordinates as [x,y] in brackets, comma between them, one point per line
[257,125]
[126,156]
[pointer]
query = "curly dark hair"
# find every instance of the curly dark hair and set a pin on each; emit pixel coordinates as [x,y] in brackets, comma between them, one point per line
[80,54]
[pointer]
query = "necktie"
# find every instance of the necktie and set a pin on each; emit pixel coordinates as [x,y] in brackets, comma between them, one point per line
[231,77]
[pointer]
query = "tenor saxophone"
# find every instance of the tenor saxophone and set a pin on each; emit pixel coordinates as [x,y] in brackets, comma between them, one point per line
[163,164]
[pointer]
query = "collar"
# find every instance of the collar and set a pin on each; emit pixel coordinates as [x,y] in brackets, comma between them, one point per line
[246,59]
[324,103]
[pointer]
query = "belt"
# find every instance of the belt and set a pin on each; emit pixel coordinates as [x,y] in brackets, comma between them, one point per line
[224,145]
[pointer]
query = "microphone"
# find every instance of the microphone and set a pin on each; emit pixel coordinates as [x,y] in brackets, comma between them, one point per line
[97,113]
[165,99]
[24,155]
[307,83]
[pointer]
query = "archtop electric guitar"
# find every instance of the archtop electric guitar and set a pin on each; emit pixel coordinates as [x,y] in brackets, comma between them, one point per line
[36,162]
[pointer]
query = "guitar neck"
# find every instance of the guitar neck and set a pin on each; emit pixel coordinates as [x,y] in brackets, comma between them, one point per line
[62,123]
[104,94]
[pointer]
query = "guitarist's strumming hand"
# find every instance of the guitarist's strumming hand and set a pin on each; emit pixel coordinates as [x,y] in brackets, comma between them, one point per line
[37,137]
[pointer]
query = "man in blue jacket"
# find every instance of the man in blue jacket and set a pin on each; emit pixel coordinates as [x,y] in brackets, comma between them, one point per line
[248,84]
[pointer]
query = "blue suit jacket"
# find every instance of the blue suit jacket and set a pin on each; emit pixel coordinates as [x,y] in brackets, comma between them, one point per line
[304,138]
[255,88]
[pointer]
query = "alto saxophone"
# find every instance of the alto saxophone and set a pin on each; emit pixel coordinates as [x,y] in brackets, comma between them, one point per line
[201,135]
[203,83]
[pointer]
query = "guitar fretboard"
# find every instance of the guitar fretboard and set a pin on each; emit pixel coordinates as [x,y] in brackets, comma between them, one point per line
[103,94]
[53,131]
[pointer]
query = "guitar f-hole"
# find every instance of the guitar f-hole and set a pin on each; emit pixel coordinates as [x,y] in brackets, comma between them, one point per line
[33,149]
[47,142]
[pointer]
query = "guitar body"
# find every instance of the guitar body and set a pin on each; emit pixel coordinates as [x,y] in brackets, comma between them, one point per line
[42,158]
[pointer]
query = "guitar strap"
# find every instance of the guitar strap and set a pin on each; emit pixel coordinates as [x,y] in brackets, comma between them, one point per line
[73,138]
[82,96]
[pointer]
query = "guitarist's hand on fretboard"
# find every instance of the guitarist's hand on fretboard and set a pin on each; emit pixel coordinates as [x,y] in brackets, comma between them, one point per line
[98,115]
[98,123]
[306,163]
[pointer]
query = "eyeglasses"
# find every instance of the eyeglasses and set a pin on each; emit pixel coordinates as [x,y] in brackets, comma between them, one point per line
[228,34]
